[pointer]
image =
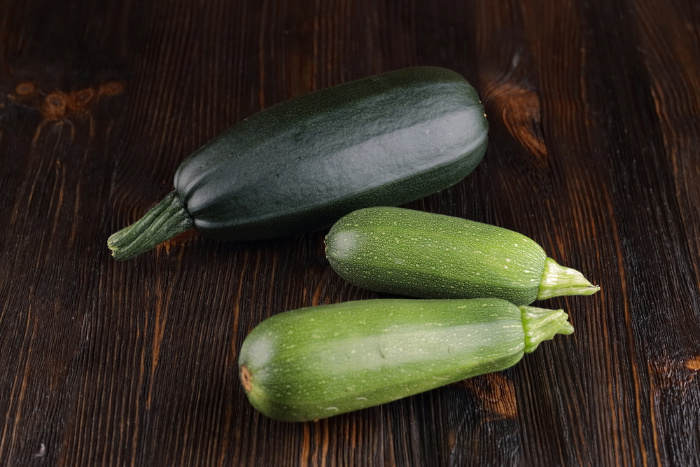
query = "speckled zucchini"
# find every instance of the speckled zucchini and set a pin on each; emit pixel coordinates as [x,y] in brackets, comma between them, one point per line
[317,362]
[300,165]
[419,254]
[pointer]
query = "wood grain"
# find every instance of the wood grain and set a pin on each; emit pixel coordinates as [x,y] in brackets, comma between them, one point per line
[593,153]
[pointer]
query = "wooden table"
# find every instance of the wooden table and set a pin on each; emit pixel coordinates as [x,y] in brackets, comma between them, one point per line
[594,109]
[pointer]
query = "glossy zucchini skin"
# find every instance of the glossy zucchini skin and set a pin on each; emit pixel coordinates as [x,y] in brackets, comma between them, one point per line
[318,362]
[420,254]
[300,165]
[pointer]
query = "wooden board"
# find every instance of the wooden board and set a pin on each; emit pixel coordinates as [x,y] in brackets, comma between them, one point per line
[594,152]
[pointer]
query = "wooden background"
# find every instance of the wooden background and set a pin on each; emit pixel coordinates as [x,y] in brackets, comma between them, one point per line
[595,133]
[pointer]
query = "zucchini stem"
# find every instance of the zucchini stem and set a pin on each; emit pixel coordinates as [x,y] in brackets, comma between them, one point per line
[163,222]
[541,324]
[559,280]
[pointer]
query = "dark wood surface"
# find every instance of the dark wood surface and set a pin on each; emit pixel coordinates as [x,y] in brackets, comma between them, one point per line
[594,109]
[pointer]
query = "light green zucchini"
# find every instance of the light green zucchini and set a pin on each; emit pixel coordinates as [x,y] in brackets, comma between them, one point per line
[419,254]
[317,362]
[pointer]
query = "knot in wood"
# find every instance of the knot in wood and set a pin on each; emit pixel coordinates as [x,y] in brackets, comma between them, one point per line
[54,106]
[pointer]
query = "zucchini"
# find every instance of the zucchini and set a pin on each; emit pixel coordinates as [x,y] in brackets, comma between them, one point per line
[302,164]
[321,361]
[420,254]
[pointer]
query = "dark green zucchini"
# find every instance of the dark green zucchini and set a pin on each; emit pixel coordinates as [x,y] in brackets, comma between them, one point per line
[425,255]
[302,164]
[321,361]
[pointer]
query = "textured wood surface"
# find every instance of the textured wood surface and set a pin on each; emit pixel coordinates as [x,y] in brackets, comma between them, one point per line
[595,134]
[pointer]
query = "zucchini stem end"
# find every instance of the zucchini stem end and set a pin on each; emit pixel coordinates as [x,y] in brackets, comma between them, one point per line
[541,324]
[162,222]
[559,280]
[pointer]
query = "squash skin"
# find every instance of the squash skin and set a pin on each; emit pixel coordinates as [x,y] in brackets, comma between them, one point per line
[322,361]
[302,164]
[426,255]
